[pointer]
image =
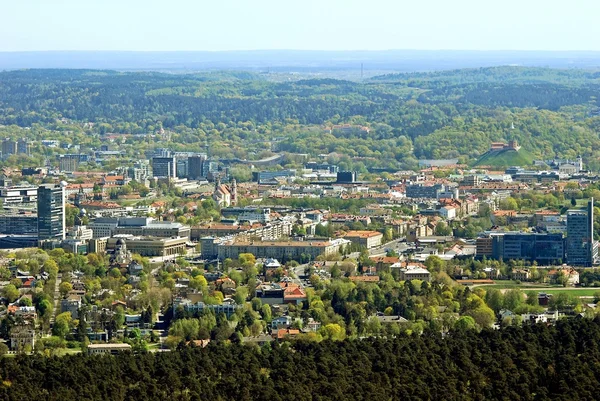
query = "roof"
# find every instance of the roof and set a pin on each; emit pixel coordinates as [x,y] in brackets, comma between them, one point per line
[385,259]
[109,346]
[392,319]
[365,279]
[362,234]
[282,333]
[284,243]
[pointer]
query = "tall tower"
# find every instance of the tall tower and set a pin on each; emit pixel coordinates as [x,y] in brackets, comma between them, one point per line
[234,198]
[582,250]
[51,212]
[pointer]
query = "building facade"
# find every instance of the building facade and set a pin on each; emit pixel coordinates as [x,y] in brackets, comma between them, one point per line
[51,212]
[582,250]
[165,167]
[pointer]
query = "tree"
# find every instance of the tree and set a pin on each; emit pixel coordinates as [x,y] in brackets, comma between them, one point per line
[62,324]
[198,283]
[464,323]
[247,259]
[65,288]
[266,313]
[10,292]
[333,331]
[513,299]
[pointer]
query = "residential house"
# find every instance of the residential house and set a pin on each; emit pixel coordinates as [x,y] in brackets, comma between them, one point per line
[282,322]
[284,334]
[520,275]
[22,337]
[570,274]
[71,304]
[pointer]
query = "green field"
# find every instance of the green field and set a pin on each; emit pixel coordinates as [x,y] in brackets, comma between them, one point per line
[548,289]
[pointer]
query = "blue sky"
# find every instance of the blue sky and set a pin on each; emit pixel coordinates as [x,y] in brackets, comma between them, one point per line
[291,24]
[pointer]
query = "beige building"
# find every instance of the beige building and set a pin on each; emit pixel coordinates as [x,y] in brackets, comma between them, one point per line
[368,239]
[94,349]
[280,250]
[415,271]
[151,246]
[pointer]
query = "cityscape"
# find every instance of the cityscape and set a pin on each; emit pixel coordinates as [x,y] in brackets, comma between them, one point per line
[236,208]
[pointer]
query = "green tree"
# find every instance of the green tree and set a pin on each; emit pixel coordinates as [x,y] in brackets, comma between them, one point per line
[65,288]
[62,324]
[10,292]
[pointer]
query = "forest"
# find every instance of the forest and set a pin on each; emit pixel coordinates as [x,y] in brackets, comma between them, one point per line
[449,114]
[532,362]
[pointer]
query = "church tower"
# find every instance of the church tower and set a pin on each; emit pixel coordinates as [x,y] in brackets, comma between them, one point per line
[234,197]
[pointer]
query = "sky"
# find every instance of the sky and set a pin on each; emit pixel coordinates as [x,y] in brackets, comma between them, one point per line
[214,25]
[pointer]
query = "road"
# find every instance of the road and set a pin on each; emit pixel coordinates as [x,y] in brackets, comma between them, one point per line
[397,245]
[56,298]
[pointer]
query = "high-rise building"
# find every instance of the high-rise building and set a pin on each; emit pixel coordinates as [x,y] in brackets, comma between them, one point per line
[24,146]
[164,167]
[582,250]
[196,167]
[9,147]
[182,168]
[68,163]
[51,211]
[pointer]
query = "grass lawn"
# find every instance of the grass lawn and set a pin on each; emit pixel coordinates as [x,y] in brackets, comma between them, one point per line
[580,292]
[548,289]
[509,284]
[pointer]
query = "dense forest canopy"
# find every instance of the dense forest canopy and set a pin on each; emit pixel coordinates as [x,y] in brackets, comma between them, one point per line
[518,363]
[420,115]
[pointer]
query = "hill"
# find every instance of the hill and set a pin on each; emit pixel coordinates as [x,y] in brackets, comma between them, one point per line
[505,158]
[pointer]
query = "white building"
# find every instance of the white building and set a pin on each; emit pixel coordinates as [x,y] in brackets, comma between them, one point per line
[448,212]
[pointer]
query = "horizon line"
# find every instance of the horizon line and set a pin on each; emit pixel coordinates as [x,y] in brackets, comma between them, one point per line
[303,50]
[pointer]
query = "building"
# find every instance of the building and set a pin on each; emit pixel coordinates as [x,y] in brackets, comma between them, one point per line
[228,307]
[541,248]
[448,212]
[484,247]
[195,167]
[225,195]
[103,226]
[145,226]
[51,211]
[22,195]
[151,246]
[138,226]
[414,271]
[19,224]
[71,305]
[284,250]
[164,167]
[24,146]
[582,250]
[22,338]
[266,177]
[111,349]
[347,177]
[270,293]
[70,162]
[424,191]
[498,146]
[182,167]
[368,239]
[9,147]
